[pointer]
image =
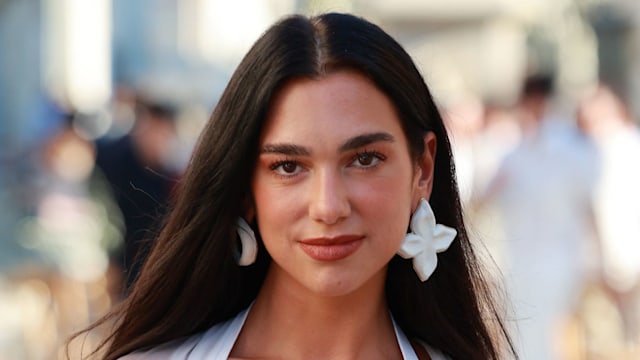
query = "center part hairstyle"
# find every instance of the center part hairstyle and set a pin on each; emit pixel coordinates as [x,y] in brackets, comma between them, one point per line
[191,280]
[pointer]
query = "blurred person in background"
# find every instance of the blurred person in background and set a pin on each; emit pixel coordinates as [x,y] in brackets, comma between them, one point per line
[605,118]
[68,186]
[481,135]
[73,227]
[463,118]
[543,191]
[139,170]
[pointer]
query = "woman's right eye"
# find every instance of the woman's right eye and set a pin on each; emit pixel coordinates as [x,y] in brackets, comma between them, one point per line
[286,168]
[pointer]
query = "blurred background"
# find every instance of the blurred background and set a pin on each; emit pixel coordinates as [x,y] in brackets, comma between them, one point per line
[101,102]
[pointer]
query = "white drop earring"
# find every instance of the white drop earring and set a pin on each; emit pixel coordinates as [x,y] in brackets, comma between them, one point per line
[249,245]
[425,240]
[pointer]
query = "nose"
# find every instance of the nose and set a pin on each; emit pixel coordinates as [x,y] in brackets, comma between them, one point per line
[329,200]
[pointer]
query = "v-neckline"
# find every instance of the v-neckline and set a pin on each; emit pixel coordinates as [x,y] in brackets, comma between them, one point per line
[237,323]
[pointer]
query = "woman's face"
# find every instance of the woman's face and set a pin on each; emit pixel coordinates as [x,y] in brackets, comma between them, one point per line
[334,185]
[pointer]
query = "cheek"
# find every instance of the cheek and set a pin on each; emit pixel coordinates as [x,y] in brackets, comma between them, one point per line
[386,206]
[275,206]
[392,188]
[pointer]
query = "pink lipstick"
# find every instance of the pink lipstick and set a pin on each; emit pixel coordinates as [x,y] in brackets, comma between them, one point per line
[331,249]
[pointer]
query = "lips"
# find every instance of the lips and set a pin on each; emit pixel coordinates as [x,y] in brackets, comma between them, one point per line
[331,248]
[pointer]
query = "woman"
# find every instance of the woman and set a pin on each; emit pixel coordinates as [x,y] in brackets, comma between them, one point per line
[326,140]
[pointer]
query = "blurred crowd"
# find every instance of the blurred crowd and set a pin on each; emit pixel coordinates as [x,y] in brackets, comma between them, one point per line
[77,213]
[553,198]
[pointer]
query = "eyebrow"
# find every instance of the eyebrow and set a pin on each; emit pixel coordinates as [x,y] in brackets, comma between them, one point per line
[285,149]
[351,144]
[364,140]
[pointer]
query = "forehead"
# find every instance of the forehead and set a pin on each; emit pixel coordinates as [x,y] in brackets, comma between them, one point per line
[337,105]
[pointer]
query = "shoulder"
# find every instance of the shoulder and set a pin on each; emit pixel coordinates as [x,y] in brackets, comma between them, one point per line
[214,343]
[174,350]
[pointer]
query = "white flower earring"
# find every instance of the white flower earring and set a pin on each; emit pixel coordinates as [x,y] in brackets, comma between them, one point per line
[249,250]
[425,240]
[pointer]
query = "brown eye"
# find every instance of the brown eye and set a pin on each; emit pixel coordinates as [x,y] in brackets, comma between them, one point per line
[289,167]
[367,159]
[286,168]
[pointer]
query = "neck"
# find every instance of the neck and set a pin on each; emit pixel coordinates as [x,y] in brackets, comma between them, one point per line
[352,326]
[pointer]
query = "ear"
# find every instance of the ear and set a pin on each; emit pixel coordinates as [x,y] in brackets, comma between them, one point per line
[425,169]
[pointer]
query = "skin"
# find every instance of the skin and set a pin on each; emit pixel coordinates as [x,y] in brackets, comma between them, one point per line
[333,162]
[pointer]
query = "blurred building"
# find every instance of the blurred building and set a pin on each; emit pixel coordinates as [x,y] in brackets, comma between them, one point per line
[78,50]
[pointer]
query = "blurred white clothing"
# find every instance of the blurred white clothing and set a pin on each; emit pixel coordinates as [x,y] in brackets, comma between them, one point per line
[617,207]
[543,190]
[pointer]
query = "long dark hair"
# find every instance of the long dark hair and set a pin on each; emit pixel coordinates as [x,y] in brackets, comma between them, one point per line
[191,281]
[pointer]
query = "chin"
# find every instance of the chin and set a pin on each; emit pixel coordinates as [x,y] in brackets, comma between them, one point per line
[333,284]
[334,288]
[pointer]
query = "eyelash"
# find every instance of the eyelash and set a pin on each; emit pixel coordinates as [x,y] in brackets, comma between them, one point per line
[274,167]
[377,156]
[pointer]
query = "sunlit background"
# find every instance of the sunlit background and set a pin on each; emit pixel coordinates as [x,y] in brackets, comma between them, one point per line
[72,72]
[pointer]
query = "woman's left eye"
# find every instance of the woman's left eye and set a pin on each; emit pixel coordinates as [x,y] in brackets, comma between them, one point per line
[367,159]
